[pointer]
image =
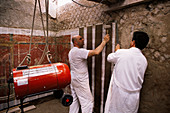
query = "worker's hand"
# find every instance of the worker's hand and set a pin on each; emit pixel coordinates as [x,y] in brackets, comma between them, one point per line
[117,47]
[106,38]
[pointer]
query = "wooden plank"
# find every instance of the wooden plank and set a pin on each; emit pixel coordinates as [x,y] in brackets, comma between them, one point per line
[29,108]
[89,60]
[98,70]
[17,109]
[107,66]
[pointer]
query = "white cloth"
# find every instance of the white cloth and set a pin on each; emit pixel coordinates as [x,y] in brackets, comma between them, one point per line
[126,81]
[52,8]
[80,81]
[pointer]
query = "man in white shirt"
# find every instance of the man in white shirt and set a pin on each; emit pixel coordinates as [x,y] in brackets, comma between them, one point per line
[79,74]
[128,75]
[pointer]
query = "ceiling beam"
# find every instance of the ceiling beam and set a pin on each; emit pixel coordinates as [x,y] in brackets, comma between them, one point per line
[107,2]
[124,4]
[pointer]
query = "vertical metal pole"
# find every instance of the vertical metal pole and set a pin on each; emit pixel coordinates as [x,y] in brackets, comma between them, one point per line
[21,107]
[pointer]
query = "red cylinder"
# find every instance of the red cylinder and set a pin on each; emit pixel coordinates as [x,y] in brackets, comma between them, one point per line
[40,78]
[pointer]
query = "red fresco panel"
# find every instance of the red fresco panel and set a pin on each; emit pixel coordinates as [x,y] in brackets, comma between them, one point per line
[63,48]
[4,68]
[59,48]
[21,38]
[5,37]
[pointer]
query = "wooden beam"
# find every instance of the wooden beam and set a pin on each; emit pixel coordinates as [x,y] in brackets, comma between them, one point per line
[124,4]
[89,47]
[107,2]
[107,66]
[98,70]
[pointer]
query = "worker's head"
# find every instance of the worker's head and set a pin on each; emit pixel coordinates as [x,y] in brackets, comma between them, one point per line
[78,41]
[140,40]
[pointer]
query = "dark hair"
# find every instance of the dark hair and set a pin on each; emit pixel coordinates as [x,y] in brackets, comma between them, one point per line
[141,39]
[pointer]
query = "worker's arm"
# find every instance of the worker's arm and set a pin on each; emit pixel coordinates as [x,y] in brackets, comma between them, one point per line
[117,47]
[100,47]
[112,57]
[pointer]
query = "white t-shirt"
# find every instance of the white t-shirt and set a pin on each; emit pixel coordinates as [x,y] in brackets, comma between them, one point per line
[78,62]
[130,66]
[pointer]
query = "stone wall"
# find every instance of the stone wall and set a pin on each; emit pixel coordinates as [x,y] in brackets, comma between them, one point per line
[153,18]
[19,14]
[72,16]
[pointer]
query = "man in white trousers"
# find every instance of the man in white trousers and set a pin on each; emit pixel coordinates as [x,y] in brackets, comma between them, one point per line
[128,75]
[79,74]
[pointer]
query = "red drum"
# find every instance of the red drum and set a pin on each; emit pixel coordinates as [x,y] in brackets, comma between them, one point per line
[40,78]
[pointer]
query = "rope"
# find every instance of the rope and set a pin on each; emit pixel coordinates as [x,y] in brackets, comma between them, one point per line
[41,18]
[42,57]
[29,55]
[46,37]
[49,56]
[47,4]
[48,52]
[32,26]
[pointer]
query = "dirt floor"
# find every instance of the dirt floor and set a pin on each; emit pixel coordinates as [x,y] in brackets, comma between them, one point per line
[48,105]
